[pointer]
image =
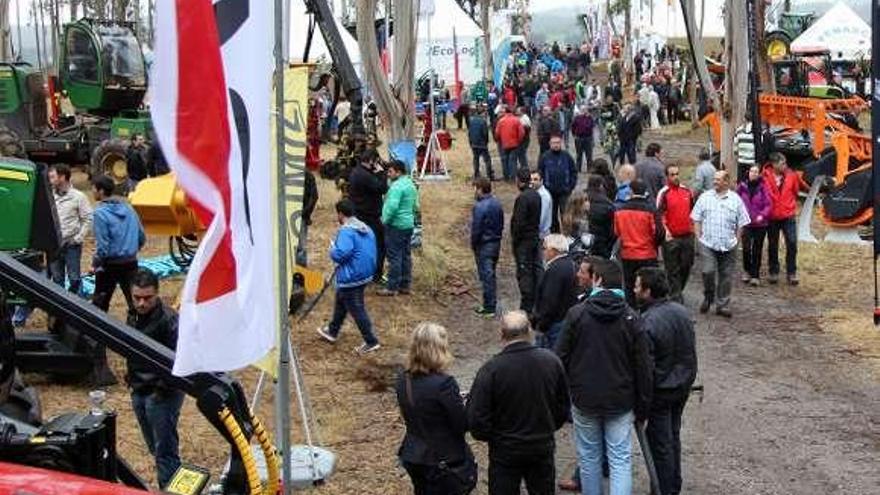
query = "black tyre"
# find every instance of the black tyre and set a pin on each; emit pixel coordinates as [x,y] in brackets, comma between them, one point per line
[10,143]
[110,158]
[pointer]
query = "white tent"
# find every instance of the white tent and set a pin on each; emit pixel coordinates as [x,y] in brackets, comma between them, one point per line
[299,26]
[448,18]
[841,31]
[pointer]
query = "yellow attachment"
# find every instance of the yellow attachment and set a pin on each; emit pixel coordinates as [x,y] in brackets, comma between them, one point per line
[314,279]
[255,487]
[163,207]
[273,472]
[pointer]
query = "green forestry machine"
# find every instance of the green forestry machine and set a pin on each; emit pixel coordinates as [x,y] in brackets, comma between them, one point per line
[102,72]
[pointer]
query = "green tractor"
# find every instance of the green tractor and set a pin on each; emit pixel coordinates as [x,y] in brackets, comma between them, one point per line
[778,41]
[103,74]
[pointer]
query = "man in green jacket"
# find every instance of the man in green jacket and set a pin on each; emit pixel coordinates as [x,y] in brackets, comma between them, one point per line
[398,217]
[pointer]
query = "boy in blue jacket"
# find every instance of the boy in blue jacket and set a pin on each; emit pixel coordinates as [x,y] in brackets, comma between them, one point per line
[354,252]
[118,238]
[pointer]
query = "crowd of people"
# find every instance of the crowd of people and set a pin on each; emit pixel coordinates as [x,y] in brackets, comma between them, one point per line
[603,337]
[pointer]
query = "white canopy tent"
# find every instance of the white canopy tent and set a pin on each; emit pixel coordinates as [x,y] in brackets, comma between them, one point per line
[448,18]
[841,31]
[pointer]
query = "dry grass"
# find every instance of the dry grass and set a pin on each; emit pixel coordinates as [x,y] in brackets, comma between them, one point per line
[356,413]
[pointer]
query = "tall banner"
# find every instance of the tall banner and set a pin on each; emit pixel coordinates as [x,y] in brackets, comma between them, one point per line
[296,111]
[210,108]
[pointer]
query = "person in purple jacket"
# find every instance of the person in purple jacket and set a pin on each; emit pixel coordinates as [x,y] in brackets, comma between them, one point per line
[754,194]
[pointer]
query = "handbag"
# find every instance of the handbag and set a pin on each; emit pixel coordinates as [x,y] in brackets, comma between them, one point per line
[459,478]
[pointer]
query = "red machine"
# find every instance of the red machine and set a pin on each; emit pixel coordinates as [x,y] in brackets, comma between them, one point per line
[16,479]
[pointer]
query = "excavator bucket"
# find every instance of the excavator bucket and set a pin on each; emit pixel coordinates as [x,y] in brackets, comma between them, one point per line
[163,208]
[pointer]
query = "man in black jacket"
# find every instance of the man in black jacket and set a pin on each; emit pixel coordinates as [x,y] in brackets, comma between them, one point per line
[156,404]
[525,234]
[601,217]
[556,290]
[673,345]
[517,401]
[366,186]
[605,354]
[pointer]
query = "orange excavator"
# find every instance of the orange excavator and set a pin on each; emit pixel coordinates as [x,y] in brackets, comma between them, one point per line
[837,150]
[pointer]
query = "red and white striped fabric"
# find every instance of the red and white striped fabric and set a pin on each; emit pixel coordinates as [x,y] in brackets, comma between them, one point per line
[218,145]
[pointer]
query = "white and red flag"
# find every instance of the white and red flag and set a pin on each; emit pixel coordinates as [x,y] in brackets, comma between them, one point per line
[210,101]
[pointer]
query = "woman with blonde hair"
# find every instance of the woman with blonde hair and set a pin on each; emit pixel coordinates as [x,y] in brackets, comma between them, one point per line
[575,219]
[433,452]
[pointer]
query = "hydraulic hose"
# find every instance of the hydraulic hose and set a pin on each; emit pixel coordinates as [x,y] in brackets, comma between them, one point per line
[255,487]
[273,470]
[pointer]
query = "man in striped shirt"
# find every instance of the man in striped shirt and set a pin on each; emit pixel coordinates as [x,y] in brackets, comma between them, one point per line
[719,217]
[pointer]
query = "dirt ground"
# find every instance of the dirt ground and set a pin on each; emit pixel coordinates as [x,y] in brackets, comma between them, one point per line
[791,402]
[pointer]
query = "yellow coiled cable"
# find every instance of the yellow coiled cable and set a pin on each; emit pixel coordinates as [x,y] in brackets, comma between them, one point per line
[247,457]
[273,482]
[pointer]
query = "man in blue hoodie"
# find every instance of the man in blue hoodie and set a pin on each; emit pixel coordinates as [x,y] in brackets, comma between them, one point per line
[118,238]
[354,252]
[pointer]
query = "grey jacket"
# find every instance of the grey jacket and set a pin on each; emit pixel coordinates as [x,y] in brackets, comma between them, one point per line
[74,215]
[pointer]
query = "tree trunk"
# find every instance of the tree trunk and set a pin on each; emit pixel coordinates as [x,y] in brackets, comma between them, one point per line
[765,67]
[55,25]
[699,57]
[394,102]
[5,31]
[627,41]
[488,66]
[74,9]
[736,83]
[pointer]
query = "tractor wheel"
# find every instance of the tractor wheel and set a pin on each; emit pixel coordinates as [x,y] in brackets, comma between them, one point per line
[110,159]
[10,143]
[778,45]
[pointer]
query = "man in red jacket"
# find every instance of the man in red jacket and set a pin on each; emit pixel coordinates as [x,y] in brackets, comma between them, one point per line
[638,227]
[674,202]
[509,132]
[782,186]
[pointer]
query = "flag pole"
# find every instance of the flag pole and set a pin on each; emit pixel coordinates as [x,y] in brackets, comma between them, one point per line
[875,133]
[282,395]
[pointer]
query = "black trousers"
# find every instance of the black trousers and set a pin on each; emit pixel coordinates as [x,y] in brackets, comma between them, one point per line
[753,245]
[428,480]
[788,228]
[379,231]
[630,267]
[528,270]
[108,277]
[560,200]
[663,431]
[678,258]
[538,471]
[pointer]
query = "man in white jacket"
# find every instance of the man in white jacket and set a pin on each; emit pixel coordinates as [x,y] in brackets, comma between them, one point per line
[75,218]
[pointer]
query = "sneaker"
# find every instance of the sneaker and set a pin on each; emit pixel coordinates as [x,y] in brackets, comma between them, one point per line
[325,334]
[405,292]
[386,292]
[724,312]
[755,282]
[793,279]
[485,313]
[366,348]
[746,278]
[773,278]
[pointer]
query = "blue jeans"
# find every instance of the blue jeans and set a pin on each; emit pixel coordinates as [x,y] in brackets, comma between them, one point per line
[508,162]
[66,266]
[590,432]
[522,154]
[548,339]
[157,415]
[399,257]
[487,257]
[351,300]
